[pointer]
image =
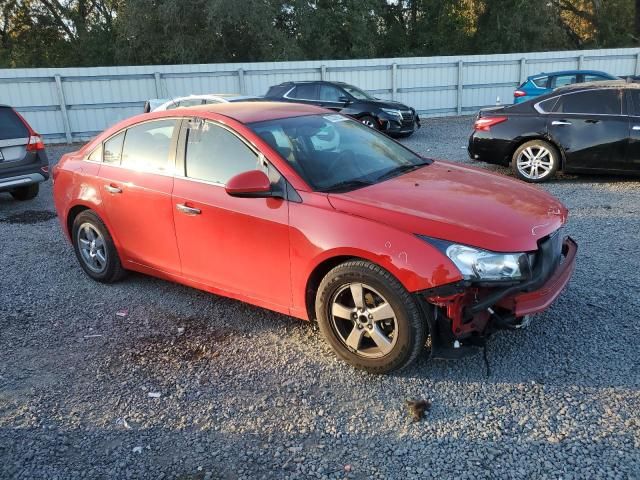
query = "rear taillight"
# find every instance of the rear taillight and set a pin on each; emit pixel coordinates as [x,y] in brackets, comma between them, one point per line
[35,140]
[35,143]
[519,93]
[485,123]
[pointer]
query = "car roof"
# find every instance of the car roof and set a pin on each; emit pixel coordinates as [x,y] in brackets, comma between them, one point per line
[569,72]
[301,82]
[248,112]
[597,85]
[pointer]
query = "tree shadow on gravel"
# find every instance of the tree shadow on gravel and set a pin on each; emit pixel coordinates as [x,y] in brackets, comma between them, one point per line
[419,452]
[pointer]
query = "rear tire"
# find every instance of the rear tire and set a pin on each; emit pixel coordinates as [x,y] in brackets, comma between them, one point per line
[535,161]
[95,249]
[26,193]
[386,333]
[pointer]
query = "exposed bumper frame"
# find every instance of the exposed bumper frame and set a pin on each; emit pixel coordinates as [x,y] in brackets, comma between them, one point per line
[533,302]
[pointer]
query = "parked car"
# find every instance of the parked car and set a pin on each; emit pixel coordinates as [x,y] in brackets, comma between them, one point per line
[161,104]
[543,83]
[393,118]
[255,202]
[23,159]
[589,128]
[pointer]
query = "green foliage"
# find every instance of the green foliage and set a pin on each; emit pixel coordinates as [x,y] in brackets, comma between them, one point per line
[38,33]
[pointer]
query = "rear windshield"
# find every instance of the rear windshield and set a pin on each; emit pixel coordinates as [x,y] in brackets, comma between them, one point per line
[10,125]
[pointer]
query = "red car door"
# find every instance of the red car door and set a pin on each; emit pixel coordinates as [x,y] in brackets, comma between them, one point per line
[137,180]
[238,245]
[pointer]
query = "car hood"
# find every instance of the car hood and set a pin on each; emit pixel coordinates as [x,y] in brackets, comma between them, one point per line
[387,104]
[459,204]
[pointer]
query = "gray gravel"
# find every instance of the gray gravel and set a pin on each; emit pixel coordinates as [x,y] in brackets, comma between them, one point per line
[247,393]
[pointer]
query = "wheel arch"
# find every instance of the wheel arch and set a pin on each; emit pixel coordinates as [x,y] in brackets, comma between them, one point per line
[71,216]
[327,264]
[76,210]
[316,276]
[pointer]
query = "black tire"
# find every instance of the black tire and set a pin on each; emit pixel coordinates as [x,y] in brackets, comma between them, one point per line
[26,193]
[402,135]
[410,326]
[371,122]
[552,159]
[112,270]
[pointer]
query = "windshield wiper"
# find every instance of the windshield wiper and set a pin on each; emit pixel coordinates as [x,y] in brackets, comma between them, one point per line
[394,172]
[347,185]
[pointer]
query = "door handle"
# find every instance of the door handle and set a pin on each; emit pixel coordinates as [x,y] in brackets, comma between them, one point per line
[187,210]
[112,189]
[635,127]
[560,122]
[591,120]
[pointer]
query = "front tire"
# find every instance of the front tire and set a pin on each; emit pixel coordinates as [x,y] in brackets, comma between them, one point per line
[535,161]
[26,193]
[368,318]
[95,249]
[370,122]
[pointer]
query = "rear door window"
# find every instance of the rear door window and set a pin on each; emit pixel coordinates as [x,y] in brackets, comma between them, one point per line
[96,155]
[562,80]
[113,149]
[634,95]
[147,146]
[305,92]
[598,102]
[214,154]
[11,126]
[541,82]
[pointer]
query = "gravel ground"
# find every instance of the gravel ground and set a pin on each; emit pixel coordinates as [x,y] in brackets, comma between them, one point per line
[246,393]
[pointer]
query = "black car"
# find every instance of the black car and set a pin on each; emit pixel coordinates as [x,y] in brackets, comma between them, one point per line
[589,128]
[23,160]
[390,117]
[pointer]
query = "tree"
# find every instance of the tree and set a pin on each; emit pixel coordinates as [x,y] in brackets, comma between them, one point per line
[57,32]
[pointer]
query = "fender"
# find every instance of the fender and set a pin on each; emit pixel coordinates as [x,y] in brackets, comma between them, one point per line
[416,264]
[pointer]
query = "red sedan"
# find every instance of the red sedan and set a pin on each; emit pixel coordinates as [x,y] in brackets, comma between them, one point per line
[306,212]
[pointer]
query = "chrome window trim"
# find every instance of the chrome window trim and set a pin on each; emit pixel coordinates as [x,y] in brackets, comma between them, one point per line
[14,142]
[286,95]
[124,131]
[540,110]
[254,149]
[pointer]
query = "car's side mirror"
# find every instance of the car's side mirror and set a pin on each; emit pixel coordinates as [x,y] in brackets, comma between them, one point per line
[251,184]
[344,99]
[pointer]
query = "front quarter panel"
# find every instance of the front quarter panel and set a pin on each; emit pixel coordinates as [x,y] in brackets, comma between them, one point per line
[319,233]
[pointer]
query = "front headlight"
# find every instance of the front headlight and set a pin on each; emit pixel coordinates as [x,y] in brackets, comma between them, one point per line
[477,264]
[392,112]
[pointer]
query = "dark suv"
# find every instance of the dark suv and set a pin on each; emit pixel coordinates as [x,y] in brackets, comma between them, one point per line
[390,117]
[23,160]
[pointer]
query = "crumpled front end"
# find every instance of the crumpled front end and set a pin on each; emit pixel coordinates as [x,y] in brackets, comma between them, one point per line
[461,315]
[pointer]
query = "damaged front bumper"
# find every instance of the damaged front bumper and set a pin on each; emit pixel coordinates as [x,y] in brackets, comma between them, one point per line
[462,314]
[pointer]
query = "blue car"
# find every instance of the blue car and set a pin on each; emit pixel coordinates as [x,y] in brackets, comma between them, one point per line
[546,82]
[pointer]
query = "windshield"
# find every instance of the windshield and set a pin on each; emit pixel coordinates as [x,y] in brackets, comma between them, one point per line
[333,153]
[357,93]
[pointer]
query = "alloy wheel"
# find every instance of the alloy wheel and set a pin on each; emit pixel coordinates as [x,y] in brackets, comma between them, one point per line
[92,248]
[369,123]
[535,162]
[363,320]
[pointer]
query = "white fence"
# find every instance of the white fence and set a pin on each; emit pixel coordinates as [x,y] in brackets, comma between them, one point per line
[69,104]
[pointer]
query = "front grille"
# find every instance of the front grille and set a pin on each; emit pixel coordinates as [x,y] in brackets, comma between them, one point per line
[407,116]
